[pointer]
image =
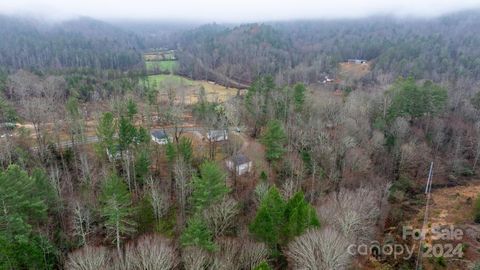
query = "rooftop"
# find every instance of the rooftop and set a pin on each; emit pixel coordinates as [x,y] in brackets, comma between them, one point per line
[239,159]
[219,132]
[159,134]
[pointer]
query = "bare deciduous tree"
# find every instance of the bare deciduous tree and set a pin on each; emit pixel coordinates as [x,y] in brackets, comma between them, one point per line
[195,258]
[183,174]
[150,252]
[324,249]
[238,254]
[260,190]
[227,255]
[252,254]
[220,217]
[354,212]
[158,199]
[88,258]
[82,222]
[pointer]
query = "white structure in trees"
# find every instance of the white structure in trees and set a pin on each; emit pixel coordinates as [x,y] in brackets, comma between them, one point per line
[160,137]
[217,135]
[239,163]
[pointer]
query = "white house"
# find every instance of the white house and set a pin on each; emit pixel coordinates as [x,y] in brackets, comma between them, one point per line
[160,137]
[239,163]
[357,61]
[217,135]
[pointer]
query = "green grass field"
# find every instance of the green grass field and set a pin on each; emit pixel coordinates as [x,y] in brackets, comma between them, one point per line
[161,79]
[163,66]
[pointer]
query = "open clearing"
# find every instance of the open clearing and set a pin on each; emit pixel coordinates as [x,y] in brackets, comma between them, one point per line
[160,61]
[353,71]
[453,206]
[161,66]
[215,92]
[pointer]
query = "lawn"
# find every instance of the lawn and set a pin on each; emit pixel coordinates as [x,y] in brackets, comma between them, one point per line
[162,66]
[161,79]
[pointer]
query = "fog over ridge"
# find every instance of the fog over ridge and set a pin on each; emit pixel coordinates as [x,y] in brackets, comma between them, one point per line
[232,11]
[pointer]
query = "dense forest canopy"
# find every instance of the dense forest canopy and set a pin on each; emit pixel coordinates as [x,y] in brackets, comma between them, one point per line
[80,43]
[444,48]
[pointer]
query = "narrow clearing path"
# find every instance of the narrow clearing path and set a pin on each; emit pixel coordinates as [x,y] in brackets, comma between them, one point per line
[452,207]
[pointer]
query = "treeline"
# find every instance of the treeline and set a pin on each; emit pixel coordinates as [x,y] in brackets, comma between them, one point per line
[241,53]
[81,43]
[440,49]
[444,48]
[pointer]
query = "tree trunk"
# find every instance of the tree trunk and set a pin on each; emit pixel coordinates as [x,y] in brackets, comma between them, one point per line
[118,239]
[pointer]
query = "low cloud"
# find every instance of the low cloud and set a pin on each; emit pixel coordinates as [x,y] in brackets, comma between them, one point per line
[232,10]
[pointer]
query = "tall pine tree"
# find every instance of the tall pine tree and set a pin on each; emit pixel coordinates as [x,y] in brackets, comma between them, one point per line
[299,215]
[116,209]
[209,187]
[106,133]
[197,234]
[24,209]
[274,140]
[278,221]
[267,223]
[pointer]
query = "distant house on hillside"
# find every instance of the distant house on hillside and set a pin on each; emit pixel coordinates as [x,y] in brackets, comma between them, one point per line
[217,135]
[357,61]
[159,137]
[328,80]
[240,164]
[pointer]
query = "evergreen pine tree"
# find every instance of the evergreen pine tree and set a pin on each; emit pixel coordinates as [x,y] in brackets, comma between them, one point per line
[299,215]
[197,234]
[299,96]
[267,223]
[209,187]
[274,140]
[105,132]
[24,206]
[185,148]
[170,151]
[126,133]
[116,209]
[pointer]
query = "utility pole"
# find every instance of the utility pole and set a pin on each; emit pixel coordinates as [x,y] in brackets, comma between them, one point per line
[428,189]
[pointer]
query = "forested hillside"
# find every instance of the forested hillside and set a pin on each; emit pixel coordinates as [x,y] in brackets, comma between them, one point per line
[445,48]
[79,43]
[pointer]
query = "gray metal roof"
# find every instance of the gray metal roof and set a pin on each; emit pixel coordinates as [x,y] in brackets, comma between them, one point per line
[220,132]
[239,159]
[159,134]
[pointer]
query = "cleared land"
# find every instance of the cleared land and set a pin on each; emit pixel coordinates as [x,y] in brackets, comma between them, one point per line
[215,92]
[453,206]
[353,71]
[161,66]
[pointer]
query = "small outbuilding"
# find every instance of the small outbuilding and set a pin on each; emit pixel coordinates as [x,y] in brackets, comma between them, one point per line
[160,137]
[217,135]
[239,163]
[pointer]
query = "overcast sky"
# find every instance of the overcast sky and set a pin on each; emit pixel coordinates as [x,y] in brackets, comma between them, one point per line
[232,10]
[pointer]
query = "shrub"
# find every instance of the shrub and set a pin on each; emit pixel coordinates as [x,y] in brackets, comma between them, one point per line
[476,210]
